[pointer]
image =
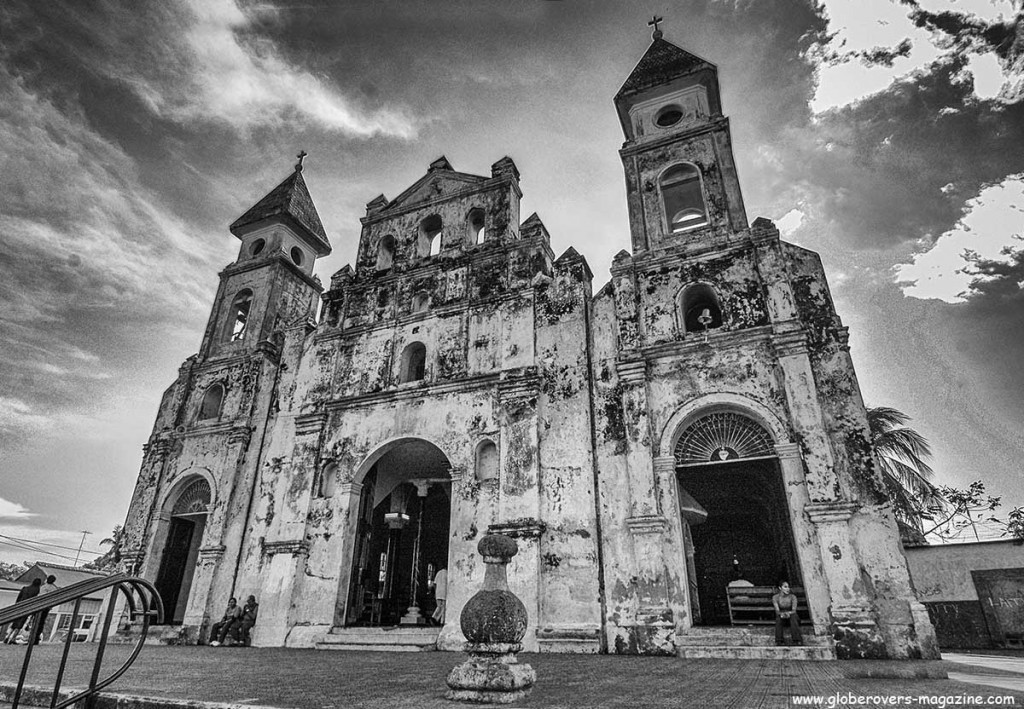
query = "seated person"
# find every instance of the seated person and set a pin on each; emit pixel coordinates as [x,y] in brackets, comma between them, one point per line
[248,620]
[784,603]
[232,616]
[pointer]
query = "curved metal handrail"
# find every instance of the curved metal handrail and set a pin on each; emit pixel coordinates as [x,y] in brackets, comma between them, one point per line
[149,608]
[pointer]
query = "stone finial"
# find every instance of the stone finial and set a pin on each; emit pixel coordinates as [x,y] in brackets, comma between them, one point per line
[494,622]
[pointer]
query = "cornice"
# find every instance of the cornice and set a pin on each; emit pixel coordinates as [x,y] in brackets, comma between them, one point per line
[716,124]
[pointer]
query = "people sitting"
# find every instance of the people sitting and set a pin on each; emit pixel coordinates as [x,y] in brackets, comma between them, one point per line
[236,625]
[232,616]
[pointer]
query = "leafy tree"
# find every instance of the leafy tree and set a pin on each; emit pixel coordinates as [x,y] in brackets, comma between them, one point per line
[901,452]
[109,560]
[968,510]
[11,571]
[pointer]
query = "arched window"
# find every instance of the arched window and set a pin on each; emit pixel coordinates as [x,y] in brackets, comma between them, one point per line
[420,302]
[430,236]
[328,477]
[475,223]
[413,362]
[385,252]
[486,461]
[238,316]
[699,309]
[683,198]
[213,399]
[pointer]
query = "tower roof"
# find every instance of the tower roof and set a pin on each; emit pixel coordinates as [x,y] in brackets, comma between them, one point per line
[661,63]
[289,201]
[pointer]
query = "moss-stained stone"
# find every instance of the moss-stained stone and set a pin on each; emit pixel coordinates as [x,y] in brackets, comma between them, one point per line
[481,367]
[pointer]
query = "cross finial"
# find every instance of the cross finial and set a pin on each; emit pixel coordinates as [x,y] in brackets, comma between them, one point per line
[654,23]
[300,156]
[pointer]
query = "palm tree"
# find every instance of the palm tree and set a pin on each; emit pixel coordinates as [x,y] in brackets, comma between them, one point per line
[901,453]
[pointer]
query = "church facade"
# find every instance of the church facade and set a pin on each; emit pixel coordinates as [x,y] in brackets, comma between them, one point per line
[695,422]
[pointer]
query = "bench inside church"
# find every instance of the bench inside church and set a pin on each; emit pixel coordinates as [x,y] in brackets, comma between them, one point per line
[752,605]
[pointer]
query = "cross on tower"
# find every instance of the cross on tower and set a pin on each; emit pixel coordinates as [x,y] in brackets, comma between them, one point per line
[654,23]
[300,156]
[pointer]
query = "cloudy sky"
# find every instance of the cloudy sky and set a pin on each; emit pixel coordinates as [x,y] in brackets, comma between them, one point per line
[888,135]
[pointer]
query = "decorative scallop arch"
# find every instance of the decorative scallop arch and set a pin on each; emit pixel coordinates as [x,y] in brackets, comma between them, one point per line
[689,412]
[719,436]
[190,484]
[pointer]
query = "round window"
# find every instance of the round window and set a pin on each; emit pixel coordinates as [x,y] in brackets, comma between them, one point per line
[668,116]
[257,247]
[297,255]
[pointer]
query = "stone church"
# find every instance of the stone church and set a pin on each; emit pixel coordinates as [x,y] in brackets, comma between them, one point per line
[693,425]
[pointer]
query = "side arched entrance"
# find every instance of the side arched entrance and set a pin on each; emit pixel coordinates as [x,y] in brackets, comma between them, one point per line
[737,523]
[185,523]
[401,536]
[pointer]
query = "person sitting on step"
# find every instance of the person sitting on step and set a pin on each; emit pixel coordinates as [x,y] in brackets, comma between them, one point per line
[784,603]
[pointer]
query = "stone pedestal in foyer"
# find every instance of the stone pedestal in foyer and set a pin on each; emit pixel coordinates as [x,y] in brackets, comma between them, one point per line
[494,621]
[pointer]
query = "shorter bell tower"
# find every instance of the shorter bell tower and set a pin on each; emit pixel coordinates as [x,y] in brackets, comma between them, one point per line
[271,284]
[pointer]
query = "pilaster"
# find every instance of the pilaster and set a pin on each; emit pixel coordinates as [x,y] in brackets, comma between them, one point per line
[790,342]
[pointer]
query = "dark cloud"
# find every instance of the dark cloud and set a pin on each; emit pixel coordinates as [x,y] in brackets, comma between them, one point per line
[966,32]
[900,164]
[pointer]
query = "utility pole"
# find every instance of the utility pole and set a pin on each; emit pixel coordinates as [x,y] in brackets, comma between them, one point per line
[80,545]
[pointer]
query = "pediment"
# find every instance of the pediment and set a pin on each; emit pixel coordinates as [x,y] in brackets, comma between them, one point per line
[436,184]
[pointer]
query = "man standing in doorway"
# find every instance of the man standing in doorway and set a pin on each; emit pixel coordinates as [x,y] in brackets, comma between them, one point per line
[441,595]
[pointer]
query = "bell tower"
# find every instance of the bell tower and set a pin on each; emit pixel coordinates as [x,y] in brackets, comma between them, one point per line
[681,179]
[271,284]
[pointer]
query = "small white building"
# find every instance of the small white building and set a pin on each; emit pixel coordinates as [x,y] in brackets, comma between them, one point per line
[58,622]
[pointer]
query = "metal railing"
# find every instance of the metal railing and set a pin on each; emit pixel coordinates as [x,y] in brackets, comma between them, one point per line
[143,602]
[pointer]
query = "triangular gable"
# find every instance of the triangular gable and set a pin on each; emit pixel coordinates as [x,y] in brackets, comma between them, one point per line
[661,63]
[435,184]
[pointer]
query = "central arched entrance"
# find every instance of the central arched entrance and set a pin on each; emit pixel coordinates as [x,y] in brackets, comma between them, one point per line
[733,501]
[401,537]
[181,548]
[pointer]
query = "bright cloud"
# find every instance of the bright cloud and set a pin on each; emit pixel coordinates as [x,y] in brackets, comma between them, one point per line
[12,510]
[989,231]
[205,61]
[857,28]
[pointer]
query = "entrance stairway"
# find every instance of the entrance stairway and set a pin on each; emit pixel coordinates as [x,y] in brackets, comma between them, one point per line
[394,639]
[749,643]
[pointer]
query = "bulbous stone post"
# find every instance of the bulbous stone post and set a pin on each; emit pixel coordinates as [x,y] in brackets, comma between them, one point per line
[494,622]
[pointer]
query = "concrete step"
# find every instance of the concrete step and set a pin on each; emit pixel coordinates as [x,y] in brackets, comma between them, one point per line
[400,639]
[742,637]
[747,652]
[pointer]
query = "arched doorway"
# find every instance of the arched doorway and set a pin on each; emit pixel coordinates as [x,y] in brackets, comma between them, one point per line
[401,536]
[181,549]
[737,525]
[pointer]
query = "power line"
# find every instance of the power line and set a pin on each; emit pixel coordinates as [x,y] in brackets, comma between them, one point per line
[36,550]
[49,544]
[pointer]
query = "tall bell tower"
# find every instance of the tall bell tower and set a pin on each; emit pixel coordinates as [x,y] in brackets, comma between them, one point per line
[681,179]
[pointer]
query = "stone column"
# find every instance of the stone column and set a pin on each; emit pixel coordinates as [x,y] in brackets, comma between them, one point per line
[654,625]
[853,623]
[805,535]
[285,546]
[349,494]
[672,542]
[198,610]
[790,343]
[519,497]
